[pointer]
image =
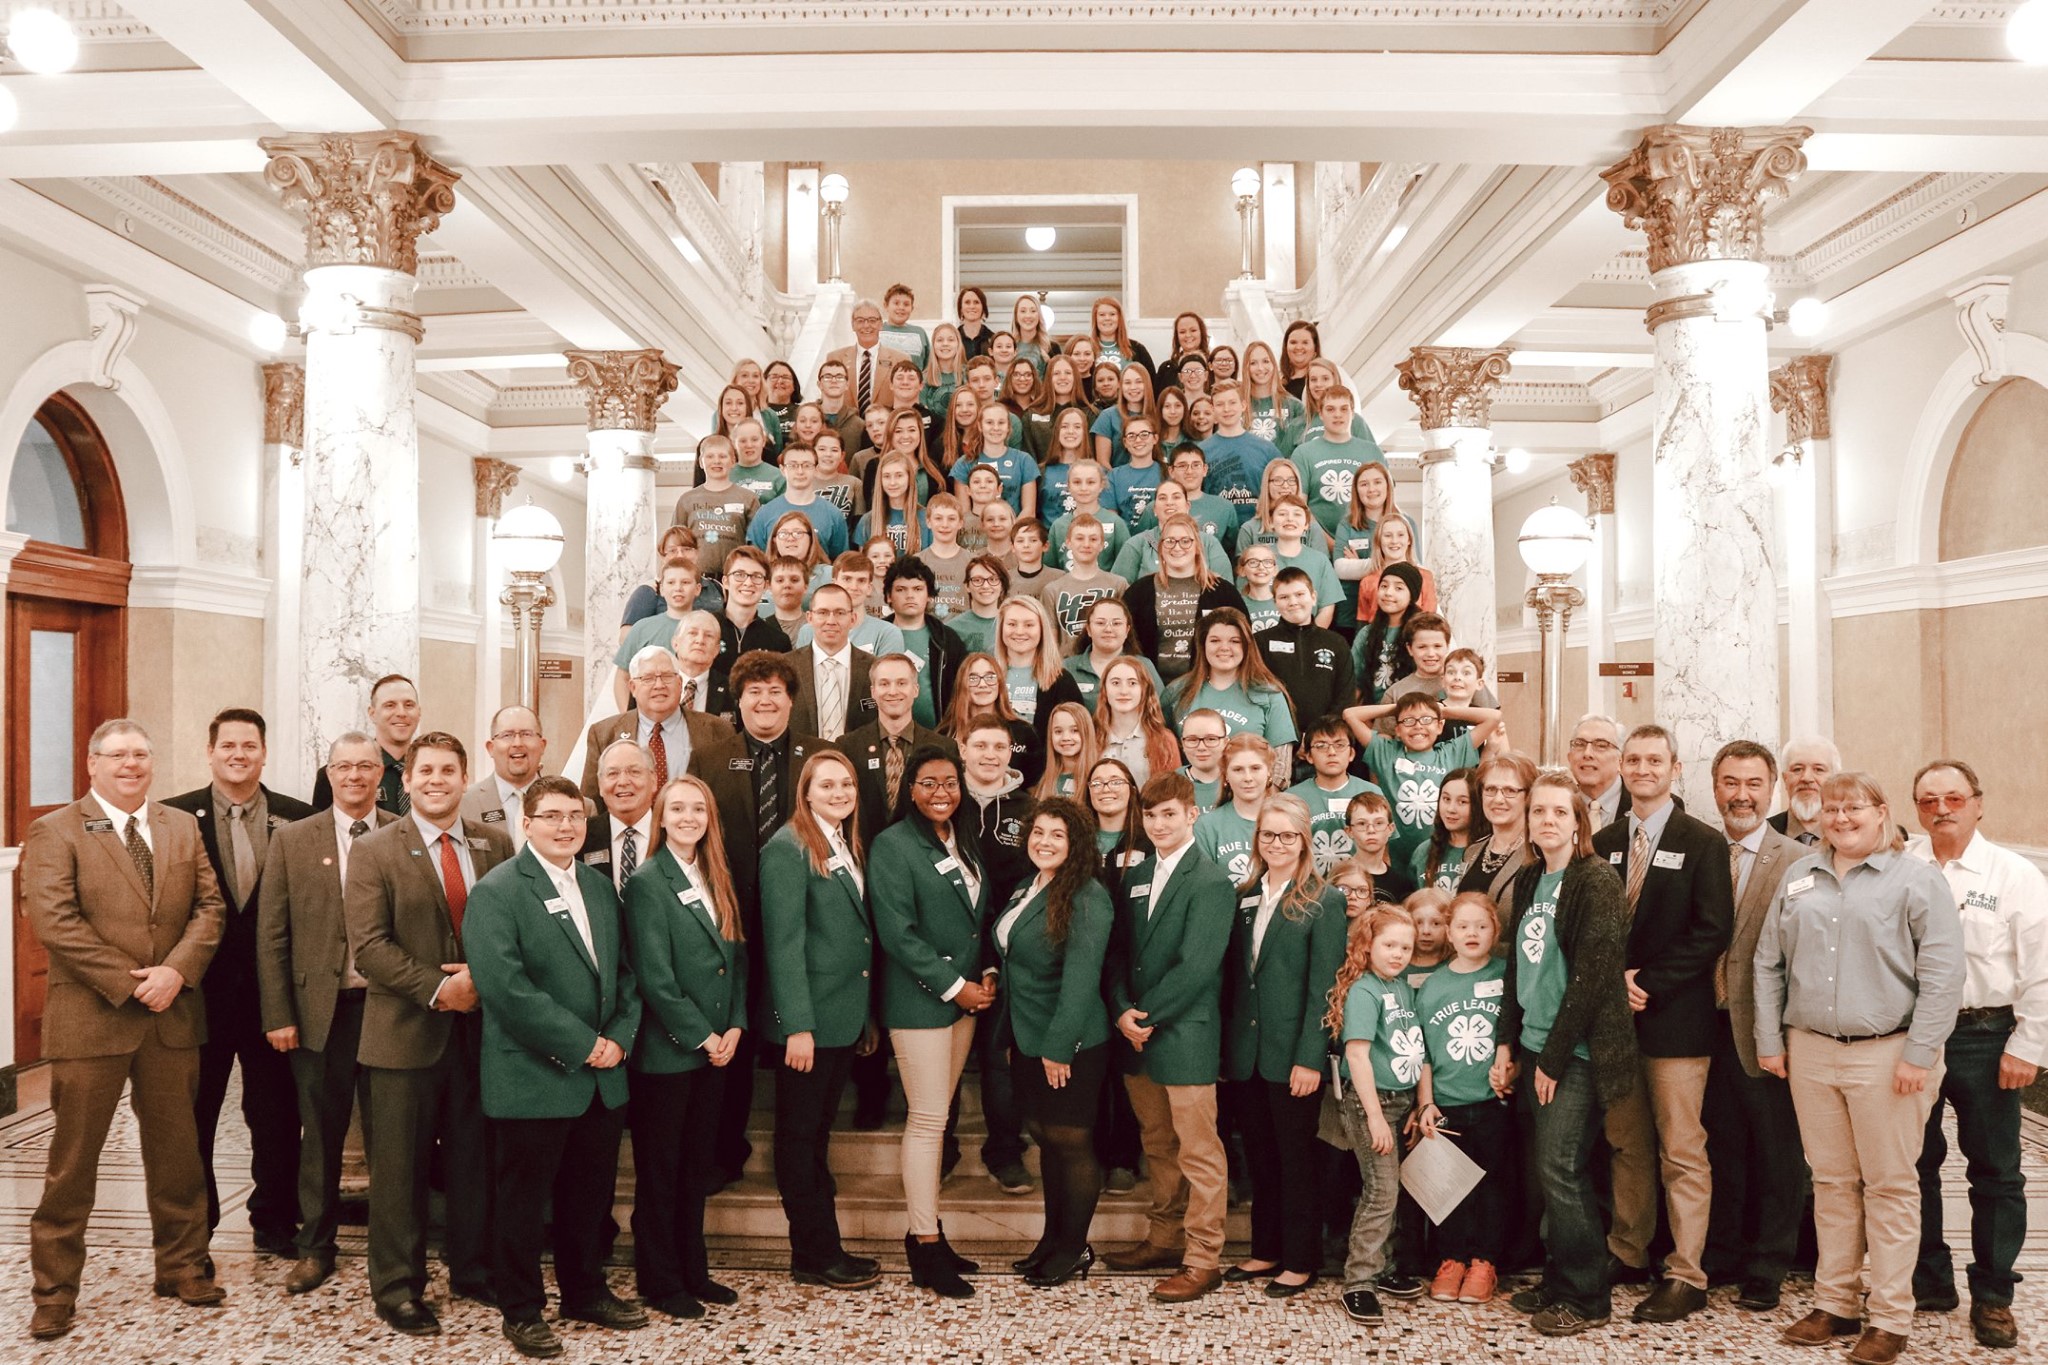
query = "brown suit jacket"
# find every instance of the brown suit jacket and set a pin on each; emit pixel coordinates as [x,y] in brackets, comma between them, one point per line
[885,360]
[1773,860]
[860,704]
[86,901]
[400,932]
[301,928]
[703,730]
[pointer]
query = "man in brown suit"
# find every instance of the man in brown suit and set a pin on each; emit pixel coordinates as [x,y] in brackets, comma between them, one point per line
[407,888]
[657,722]
[1760,1179]
[118,889]
[311,995]
[834,693]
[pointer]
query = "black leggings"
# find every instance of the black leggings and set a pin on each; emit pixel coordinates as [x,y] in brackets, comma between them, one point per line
[1062,1123]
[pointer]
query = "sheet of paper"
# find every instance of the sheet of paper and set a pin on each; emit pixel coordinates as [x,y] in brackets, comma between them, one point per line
[1438,1176]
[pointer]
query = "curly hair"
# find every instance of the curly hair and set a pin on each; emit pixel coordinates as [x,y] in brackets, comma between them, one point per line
[1078,869]
[1365,930]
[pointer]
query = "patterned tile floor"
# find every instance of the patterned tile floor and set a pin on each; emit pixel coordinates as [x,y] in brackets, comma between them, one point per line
[1107,1318]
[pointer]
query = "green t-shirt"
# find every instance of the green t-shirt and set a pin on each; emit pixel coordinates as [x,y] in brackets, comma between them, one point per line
[1460,1023]
[1263,613]
[1327,837]
[1226,837]
[659,629]
[1382,1013]
[1410,781]
[1023,688]
[1207,794]
[763,480]
[1541,979]
[1446,875]
[918,645]
[1321,573]
[1327,468]
[976,631]
[1263,713]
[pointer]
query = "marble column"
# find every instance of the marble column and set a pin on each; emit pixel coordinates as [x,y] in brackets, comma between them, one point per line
[1453,388]
[624,391]
[367,198]
[284,536]
[494,479]
[11,544]
[1594,476]
[1799,390]
[1699,196]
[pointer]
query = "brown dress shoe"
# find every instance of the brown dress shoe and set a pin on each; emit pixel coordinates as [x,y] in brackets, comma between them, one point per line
[1877,1347]
[308,1274]
[1144,1256]
[49,1321]
[196,1290]
[1818,1328]
[1190,1284]
[1993,1325]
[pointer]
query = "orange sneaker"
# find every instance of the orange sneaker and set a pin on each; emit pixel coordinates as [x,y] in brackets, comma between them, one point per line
[1480,1281]
[1449,1276]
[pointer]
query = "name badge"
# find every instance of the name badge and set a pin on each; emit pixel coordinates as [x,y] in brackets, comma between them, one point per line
[597,859]
[557,905]
[874,765]
[946,865]
[1404,766]
[478,843]
[1145,889]
[1801,886]
[1248,903]
[1487,990]
[1979,900]
[1670,858]
[736,508]
[691,897]
[99,827]
[1280,646]
[867,703]
[1616,858]
[493,817]
[1392,1002]
[1132,859]
[836,865]
[1336,805]
[741,765]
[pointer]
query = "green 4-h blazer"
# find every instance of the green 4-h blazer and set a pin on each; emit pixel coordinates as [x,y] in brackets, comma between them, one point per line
[820,947]
[692,979]
[1273,1012]
[1052,992]
[545,1002]
[1169,963]
[929,926]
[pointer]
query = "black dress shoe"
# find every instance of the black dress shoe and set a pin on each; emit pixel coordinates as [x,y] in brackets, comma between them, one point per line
[679,1305]
[865,1263]
[412,1317]
[1237,1274]
[844,1273]
[1277,1290]
[282,1244]
[1054,1271]
[960,1263]
[1671,1301]
[711,1291]
[609,1311]
[1621,1272]
[1029,1265]
[481,1293]
[1936,1301]
[1757,1296]
[535,1338]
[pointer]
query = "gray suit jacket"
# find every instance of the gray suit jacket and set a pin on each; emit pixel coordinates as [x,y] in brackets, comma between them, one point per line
[480,803]
[860,704]
[301,930]
[1773,860]
[703,730]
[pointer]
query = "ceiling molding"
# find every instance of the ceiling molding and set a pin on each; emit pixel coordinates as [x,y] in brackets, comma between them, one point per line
[148,200]
[448,272]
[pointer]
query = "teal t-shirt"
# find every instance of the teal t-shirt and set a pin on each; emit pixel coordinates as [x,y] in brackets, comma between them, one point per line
[1207,794]
[1263,613]
[1382,1013]
[763,480]
[1023,687]
[1410,781]
[1541,979]
[976,631]
[1460,1025]
[1327,469]
[1263,713]
[918,645]
[1321,573]
[1327,837]
[1267,421]
[1447,874]
[1227,837]
[911,339]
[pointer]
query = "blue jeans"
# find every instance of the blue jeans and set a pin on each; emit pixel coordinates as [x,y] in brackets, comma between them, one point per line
[1574,1243]
[1372,1222]
[1988,1131]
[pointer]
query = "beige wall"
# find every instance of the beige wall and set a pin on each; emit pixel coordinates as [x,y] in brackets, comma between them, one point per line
[1998,483]
[1521,702]
[183,666]
[447,682]
[1187,222]
[561,710]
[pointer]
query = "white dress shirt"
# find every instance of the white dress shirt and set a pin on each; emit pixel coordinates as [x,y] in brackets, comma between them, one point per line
[837,843]
[1162,872]
[643,832]
[703,681]
[703,890]
[121,817]
[513,800]
[1751,844]
[1270,893]
[570,891]
[2003,901]
[1032,891]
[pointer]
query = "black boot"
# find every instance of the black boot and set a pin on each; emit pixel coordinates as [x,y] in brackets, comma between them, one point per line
[961,1265]
[930,1269]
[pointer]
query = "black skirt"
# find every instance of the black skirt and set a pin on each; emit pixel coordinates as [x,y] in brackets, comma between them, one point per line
[1074,1104]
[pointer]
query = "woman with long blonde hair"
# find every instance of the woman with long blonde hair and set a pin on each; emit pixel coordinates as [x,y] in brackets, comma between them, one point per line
[1269,409]
[1027,649]
[893,509]
[1070,751]
[1112,339]
[1027,324]
[1130,725]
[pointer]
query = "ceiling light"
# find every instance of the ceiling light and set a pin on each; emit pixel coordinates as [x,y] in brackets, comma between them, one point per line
[1807,317]
[1045,319]
[1040,238]
[833,189]
[267,332]
[562,468]
[9,110]
[43,41]
[1517,460]
[2026,33]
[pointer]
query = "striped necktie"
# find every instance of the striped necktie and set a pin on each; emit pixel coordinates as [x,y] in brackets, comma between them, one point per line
[1638,865]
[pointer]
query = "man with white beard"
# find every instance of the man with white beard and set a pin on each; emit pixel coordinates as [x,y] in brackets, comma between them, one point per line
[1808,761]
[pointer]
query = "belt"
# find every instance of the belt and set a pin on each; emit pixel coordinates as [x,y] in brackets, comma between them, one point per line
[1986,1017]
[1860,1037]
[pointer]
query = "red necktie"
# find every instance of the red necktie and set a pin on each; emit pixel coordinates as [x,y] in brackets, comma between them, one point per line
[658,746]
[452,883]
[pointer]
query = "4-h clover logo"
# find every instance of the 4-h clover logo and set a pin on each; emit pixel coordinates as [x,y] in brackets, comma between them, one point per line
[1471,1038]
[1534,934]
[1240,867]
[1415,801]
[1335,485]
[1330,847]
[1407,1046]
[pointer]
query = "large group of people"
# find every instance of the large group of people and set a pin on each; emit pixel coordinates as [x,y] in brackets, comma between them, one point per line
[1019,704]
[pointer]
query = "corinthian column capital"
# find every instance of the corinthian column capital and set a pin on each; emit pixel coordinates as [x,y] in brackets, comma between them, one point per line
[1699,193]
[1453,386]
[1799,389]
[494,479]
[284,404]
[367,197]
[624,389]
[1594,476]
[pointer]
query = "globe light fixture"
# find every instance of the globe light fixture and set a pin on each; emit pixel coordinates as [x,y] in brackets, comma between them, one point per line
[1555,543]
[832,193]
[267,332]
[528,541]
[43,41]
[1040,238]
[1244,183]
[1807,317]
[2026,33]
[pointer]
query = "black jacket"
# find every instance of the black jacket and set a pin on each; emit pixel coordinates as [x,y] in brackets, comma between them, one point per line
[231,977]
[948,652]
[761,633]
[1001,824]
[1592,928]
[865,747]
[1681,926]
[1313,664]
[1142,600]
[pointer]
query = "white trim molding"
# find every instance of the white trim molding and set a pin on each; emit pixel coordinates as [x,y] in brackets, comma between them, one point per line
[180,587]
[450,627]
[2004,577]
[1954,401]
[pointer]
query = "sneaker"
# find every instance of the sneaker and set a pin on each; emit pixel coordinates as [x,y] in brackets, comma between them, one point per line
[1450,1276]
[1534,1299]
[1012,1178]
[1362,1305]
[1481,1279]
[1563,1320]
[1396,1286]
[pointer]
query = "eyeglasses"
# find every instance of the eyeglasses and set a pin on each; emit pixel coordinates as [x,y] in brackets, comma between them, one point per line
[932,786]
[1943,802]
[344,769]
[1854,808]
[517,736]
[1502,791]
[1178,543]
[983,580]
[1201,739]
[1279,836]
[1329,746]
[559,817]
[1106,784]
[1370,822]
[1597,746]
[659,679]
[1417,722]
[1357,893]
[745,576]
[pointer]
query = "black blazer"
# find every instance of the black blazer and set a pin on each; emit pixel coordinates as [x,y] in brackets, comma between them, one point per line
[1682,924]
[596,853]
[865,747]
[232,974]
[717,698]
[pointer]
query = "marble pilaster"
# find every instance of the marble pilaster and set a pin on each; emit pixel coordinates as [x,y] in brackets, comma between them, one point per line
[1799,390]
[1453,388]
[493,479]
[624,390]
[1594,476]
[284,544]
[1699,196]
[367,198]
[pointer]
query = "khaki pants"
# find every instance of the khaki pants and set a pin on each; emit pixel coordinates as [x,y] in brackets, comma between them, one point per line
[930,1061]
[1656,1133]
[1190,1181]
[1863,1142]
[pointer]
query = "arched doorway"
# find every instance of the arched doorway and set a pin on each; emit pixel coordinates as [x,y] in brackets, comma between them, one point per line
[67,643]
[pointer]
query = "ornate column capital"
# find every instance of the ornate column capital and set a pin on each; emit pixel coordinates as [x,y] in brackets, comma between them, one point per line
[624,389]
[1453,386]
[1699,193]
[284,404]
[367,197]
[1594,476]
[1799,389]
[494,479]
